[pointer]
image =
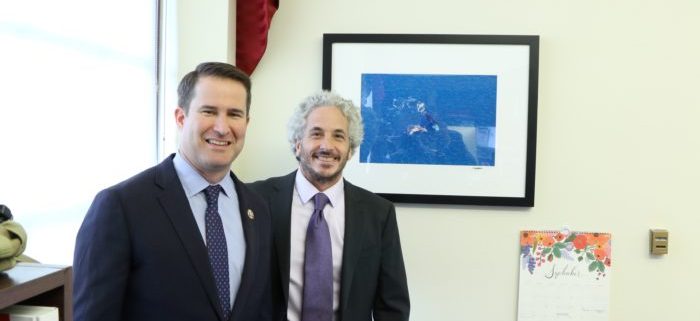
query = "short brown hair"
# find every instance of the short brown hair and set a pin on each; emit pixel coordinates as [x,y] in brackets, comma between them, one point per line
[214,69]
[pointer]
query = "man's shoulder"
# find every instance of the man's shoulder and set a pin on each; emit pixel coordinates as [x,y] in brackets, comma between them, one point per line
[162,172]
[266,186]
[358,192]
[249,193]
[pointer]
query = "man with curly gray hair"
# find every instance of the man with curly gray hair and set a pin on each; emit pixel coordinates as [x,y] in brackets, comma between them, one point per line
[326,98]
[344,108]
[337,262]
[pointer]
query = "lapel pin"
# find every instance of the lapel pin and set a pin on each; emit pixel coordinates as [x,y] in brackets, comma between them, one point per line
[251,215]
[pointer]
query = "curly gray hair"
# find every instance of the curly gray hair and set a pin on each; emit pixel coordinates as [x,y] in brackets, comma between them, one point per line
[297,123]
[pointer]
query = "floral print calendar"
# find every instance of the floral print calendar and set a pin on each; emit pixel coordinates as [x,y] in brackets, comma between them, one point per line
[564,275]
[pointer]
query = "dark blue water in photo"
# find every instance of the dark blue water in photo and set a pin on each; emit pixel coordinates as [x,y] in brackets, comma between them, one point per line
[429,119]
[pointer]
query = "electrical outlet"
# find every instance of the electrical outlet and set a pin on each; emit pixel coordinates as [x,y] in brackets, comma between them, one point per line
[658,241]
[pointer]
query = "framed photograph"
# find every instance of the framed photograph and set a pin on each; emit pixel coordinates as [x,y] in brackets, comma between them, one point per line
[448,119]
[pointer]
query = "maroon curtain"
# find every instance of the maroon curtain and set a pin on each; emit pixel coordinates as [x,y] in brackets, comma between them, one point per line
[252,23]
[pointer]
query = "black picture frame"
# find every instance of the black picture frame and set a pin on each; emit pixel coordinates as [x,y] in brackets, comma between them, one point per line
[508,64]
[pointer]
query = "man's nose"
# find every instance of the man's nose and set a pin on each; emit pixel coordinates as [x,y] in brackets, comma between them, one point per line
[326,142]
[221,125]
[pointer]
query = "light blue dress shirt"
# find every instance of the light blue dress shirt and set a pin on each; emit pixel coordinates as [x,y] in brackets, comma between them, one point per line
[194,185]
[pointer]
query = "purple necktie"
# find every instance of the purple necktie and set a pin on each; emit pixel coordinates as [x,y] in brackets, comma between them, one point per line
[317,304]
[216,246]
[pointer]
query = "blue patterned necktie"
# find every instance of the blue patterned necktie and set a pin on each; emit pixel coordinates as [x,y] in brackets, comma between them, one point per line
[317,302]
[216,246]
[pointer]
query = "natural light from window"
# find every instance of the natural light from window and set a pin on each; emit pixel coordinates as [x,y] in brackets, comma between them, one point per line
[78,110]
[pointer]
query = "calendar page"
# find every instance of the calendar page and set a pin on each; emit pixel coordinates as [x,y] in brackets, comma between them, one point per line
[564,276]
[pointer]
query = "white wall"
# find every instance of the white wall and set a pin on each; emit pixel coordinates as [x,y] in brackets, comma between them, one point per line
[193,31]
[617,149]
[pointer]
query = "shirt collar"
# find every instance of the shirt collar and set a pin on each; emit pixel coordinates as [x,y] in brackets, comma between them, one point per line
[307,190]
[194,183]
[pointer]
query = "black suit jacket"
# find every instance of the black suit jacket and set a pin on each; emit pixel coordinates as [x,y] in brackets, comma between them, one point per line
[373,277]
[139,255]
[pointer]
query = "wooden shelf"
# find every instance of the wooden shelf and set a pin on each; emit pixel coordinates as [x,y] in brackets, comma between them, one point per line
[38,284]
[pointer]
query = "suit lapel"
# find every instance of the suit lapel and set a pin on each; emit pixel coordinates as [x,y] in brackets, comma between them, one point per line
[252,249]
[174,202]
[280,202]
[281,209]
[355,220]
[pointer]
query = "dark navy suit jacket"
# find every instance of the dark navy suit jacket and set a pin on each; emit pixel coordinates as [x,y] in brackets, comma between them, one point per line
[373,278]
[139,255]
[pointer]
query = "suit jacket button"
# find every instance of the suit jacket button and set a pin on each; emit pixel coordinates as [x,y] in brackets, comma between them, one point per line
[251,215]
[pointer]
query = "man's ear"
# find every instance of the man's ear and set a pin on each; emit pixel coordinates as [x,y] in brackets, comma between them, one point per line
[180,116]
[297,149]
